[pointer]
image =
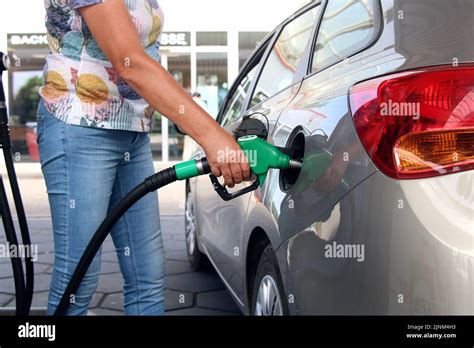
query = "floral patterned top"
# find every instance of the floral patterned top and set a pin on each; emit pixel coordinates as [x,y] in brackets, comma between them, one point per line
[80,86]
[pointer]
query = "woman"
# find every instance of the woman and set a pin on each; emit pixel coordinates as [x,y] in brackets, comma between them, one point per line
[102,83]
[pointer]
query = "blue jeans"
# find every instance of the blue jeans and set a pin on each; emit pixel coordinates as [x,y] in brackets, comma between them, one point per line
[87,171]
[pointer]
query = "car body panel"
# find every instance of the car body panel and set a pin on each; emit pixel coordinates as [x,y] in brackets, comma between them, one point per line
[229,253]
[407,252]
[417,235]
[410,266]
[227,249]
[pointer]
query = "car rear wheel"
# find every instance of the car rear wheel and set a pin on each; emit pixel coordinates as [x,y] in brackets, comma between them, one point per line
[268,295]
[196,258]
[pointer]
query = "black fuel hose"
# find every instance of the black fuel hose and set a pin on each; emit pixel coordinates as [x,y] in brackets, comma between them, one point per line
[150,184]
[24,231]
[5,144]
[17,266]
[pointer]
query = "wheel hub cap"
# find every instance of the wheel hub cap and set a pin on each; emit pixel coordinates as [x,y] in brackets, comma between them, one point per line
[268,298]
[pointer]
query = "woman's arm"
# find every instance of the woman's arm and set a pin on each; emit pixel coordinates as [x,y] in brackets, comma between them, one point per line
[115,33]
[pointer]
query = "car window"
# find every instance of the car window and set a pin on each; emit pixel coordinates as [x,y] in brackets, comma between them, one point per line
[236,103]
[283,60]
[346,27]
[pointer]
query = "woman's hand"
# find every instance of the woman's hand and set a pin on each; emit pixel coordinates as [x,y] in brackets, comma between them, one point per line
[225,157]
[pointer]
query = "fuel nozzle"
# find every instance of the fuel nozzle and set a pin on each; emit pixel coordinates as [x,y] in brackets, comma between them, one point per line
[261,155]
[264,156]
[295,164]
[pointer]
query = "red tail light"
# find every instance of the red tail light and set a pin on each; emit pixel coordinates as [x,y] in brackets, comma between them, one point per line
[419,123]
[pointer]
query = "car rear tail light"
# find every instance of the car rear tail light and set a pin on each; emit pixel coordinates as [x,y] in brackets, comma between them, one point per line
[419,123]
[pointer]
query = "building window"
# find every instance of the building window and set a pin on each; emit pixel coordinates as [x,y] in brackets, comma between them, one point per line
[211,38]
[248,41]
[27,53]
[212,79]
[179,65]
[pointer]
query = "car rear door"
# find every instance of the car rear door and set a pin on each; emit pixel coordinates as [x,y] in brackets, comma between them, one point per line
[320,112]
[233,109]
[278,82]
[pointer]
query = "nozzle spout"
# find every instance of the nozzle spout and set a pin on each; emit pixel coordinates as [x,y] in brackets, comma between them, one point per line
[295,164]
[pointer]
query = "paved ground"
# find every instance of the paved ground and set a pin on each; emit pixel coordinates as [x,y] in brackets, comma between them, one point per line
[187,292]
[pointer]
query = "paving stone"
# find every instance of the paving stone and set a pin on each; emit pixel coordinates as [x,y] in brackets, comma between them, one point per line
[49,270]
[5,299]
[204,293]
[38,311]
[178,299]
[178,267]
[104,312]
[179,236]
[198,311]
[173,300]
[174,245]
[6,270]
[179,255]
[45,247]
[220,300]
[4,260]
[113,301]
[10,309]
[110,283]
[40,224]
[194,282]
[108,245]
[40,299]
[41,268]
[42,282]
[98,296]
[45,234]
[109,256]
[109,267]
[172,224]
[47,258]
[166,237]
[38,238]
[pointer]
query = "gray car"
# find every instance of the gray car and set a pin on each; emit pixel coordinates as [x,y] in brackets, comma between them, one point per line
[377,98]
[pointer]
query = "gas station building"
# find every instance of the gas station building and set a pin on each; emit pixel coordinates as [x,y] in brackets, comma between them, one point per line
[202,49]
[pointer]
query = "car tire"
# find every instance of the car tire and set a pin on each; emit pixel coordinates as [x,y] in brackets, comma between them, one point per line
[268,296]
[196,258]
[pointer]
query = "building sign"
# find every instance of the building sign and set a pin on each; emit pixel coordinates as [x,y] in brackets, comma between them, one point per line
[25,40]
[176,38]
[31,40]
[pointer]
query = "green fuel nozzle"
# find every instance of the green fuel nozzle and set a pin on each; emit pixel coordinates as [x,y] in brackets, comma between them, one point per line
[261,156]
[264,156]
